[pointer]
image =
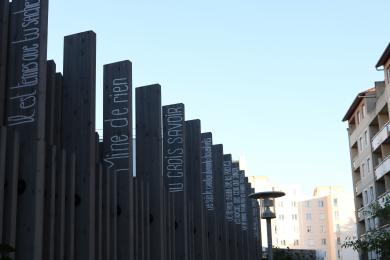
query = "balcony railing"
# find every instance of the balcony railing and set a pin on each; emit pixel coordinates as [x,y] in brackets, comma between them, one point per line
[361,214]
[358,187]
[383,198]
[381,136]
[355,162]
[382,168]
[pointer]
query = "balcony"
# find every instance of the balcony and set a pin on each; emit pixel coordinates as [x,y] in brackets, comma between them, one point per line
[381,136]
[361,214]
[355,162]
[382,168]
[358,187]
[383,198]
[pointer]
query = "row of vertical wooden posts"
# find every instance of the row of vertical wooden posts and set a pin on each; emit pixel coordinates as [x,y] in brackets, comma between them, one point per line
[68,193]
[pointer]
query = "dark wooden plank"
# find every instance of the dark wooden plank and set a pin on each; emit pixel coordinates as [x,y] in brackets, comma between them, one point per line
[175,183]
[113,217]
[118,147]
[208,194]
[237,209]
[70,200]
[194,173]
[58,111]
[11,190]
[59,243]
[26,88]
[78,122]
[149,163]
[251,244]
[50,101]
[106,215]
[229,209]
[3,160]
[4,11]
[244,217]
[219,200]
[49,203]
[98,211]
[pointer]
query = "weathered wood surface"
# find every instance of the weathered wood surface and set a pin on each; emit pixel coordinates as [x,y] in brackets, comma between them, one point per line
[50,102]
[229,209]
[26,88]
[118,147]
[70,198]
[149,164]
[208,183]
[79,91]
[175,180]
[106,205]
[49,203]
[237,209]
[220,201]
[4,11]
[194,173]
[58,111]
[3,160]
[113,217]
[99,211]
[59,238]
[11,189]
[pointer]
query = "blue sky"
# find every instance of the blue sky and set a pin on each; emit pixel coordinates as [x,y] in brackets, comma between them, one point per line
[271,79]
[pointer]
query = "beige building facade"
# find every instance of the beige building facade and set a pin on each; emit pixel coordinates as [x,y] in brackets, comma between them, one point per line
[321,222]
[369,144]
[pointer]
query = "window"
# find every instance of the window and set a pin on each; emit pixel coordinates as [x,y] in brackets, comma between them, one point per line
[364,110]
[307,204]
[294,216]
[338,241]
[293,203]
[308,216]
[320,203]
[365,197]
[368,165]
[335,202]
[360,144]
[276,229]
[363,169]
[359,117]
[366,138]
[336,214]
[322,228]
[337,227]
[283,242]
[308,229]
[281,217]
[280,203]
[323,241]
[371,194]
[296,242]
[388,74]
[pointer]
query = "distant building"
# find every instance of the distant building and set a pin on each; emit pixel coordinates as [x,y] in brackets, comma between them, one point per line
[369,143]
[321,222]
[326,220]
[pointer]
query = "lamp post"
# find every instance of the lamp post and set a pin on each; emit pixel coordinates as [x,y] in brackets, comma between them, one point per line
[267,208]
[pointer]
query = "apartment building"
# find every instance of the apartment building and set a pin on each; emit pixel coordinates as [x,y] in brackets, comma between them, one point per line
[326,220]
[369,143]
[285,227]
[319,222]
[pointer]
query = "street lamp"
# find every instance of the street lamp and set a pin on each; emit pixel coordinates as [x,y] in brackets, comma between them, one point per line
[267,209]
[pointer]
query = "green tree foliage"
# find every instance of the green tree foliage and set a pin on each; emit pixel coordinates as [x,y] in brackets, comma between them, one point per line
[377,240]
[5,250]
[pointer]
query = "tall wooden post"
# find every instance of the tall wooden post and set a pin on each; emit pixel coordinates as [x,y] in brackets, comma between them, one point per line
[194,173]
[229,210]
[4,11]
[26,88]
[244,216]
[175,178]
[79,91]
[59,238]
[11,190]
[220,201]
[3,160]
[208,183]
[149,164]
[118,148]
[70,197]
[237,210]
